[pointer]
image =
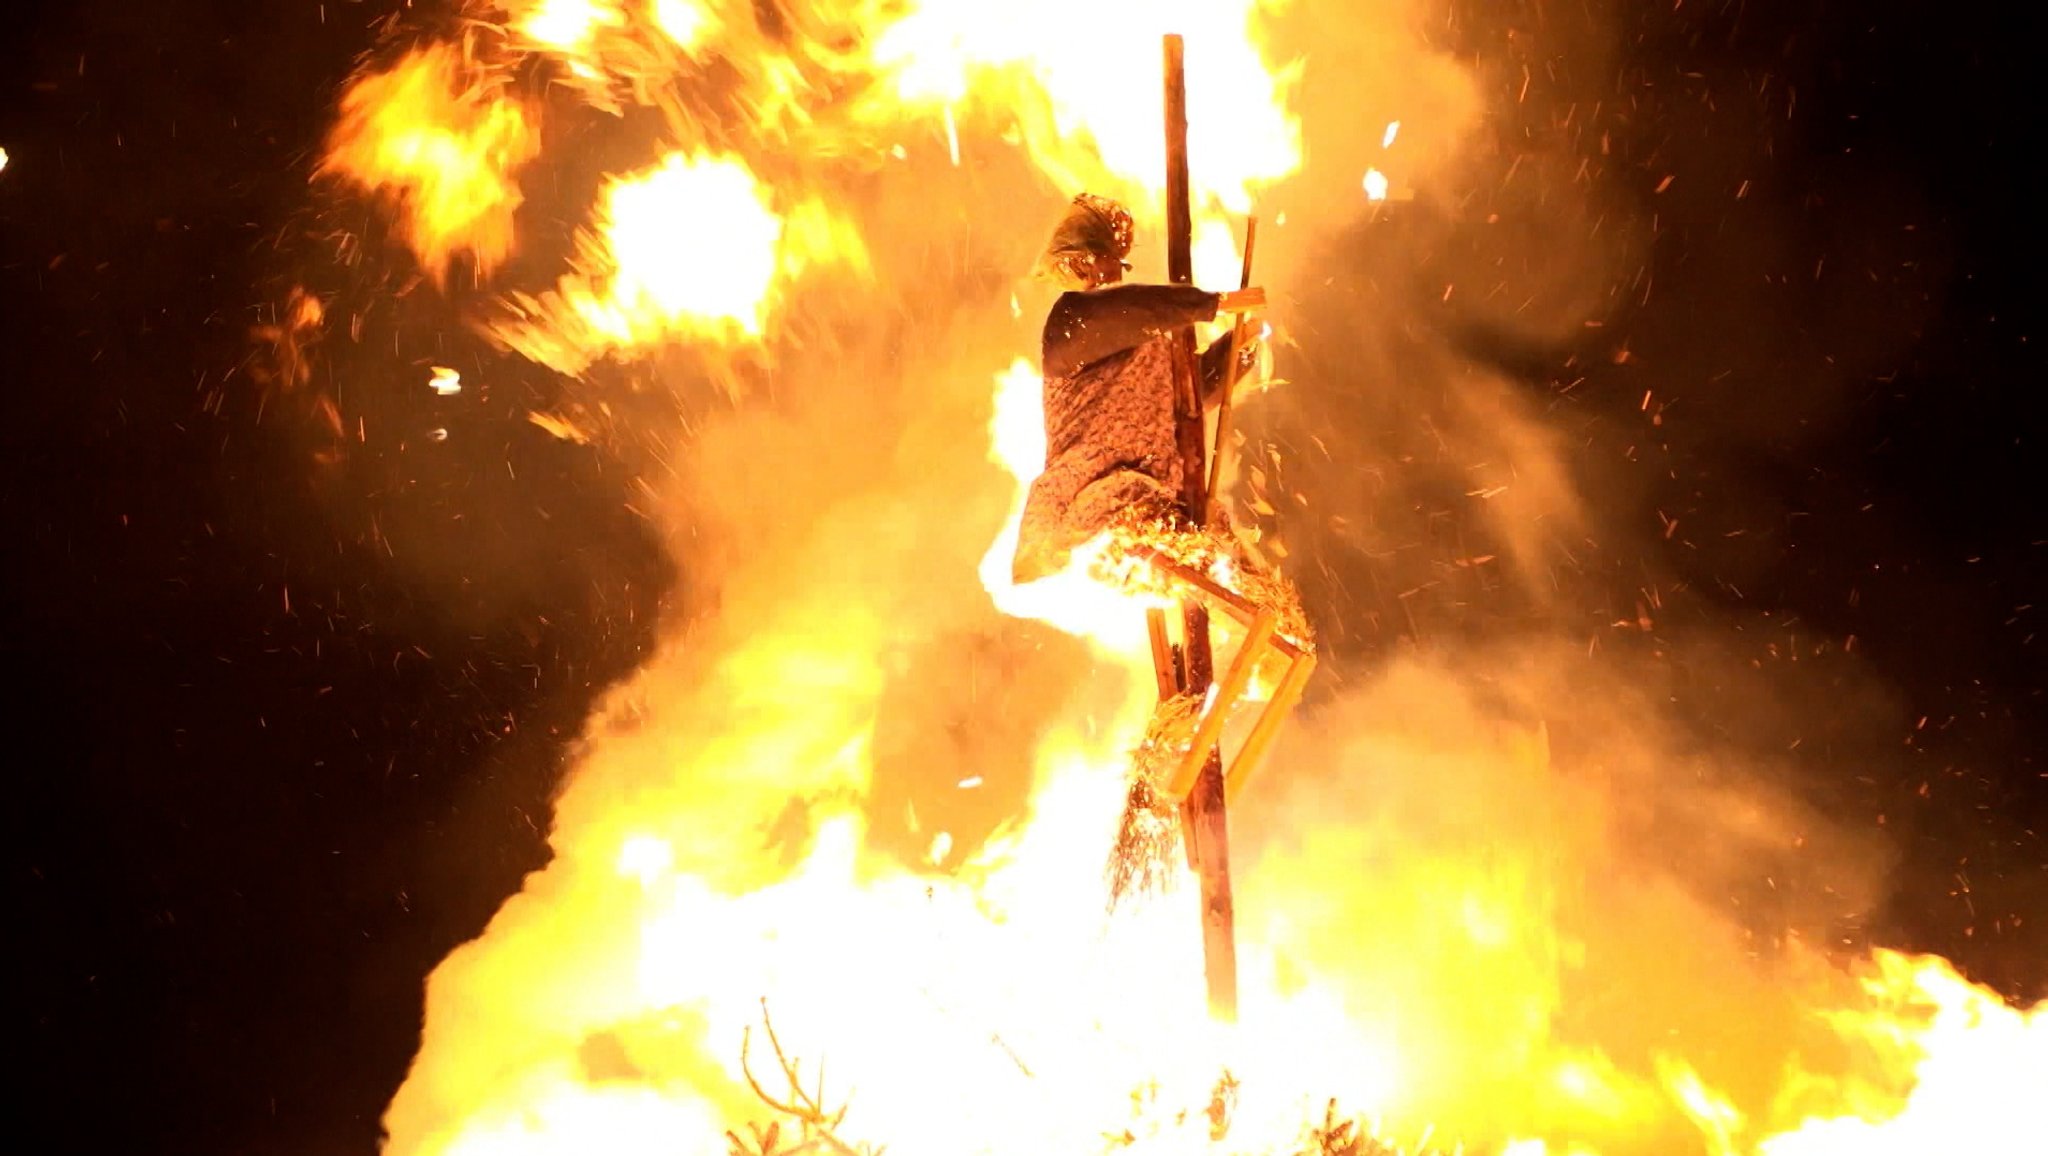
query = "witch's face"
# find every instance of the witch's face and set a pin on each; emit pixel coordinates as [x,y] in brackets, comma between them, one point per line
[1102,270]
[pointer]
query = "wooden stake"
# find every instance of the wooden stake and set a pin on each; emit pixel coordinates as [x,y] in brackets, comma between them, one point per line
[1244,281]
[1206,826]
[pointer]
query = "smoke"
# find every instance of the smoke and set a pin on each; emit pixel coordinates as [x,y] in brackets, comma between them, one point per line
[1509,860]
[1544,817]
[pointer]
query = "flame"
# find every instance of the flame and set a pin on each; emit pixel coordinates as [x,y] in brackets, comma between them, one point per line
[685,24]
[714,846]
[1072,60]
[1971,1063]
[445,141]
[565,26]
[439,132]
[1072,600]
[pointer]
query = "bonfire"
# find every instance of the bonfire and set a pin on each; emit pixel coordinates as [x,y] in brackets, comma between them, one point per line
[719,923]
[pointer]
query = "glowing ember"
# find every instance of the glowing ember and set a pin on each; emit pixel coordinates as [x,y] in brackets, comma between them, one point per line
[689,248]
[1375,185]
[446,382]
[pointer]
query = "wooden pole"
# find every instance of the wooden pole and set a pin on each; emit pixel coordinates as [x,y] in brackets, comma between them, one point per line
[1202,816]
[1244,281]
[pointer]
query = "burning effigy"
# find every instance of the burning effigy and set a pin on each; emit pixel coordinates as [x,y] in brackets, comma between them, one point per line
[1107,357]
[1432,938]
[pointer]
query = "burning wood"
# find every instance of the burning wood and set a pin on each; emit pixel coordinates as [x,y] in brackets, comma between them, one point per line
[1124,430]
[1148,833]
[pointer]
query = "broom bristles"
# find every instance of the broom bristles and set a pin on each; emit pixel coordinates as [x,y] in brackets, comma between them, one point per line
[1148,834]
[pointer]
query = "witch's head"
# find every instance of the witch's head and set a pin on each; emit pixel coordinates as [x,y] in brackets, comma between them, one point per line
[1088,249]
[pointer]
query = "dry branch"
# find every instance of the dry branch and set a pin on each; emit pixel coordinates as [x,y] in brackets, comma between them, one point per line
[817,1127]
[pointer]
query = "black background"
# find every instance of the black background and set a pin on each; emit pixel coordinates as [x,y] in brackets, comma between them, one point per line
[263,778]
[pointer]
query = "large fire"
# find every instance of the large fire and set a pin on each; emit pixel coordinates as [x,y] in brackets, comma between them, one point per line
[1427,967]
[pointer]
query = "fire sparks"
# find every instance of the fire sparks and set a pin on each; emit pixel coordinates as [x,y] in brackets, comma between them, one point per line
[717,844]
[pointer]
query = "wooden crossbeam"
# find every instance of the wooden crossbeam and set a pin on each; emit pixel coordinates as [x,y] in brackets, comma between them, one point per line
[1231,689]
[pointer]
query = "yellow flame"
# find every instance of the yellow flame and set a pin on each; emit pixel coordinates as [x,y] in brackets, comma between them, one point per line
[445,143]
[1092,66]
[440,132]
[692,242]
[691,248]
[685,23]
[1976,1068]
[989,1007]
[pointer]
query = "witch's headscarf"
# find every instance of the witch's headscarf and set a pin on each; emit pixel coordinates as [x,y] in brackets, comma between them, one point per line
[1094,228]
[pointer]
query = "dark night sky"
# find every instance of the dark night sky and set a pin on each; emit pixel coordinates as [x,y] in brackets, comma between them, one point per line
[265,777]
